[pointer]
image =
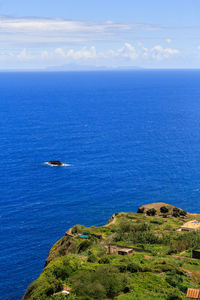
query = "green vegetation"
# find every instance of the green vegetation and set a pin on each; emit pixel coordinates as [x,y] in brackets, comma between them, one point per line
[151,212]
[164,209]
[160,266]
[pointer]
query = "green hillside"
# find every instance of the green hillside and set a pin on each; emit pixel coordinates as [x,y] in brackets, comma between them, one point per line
[135,256]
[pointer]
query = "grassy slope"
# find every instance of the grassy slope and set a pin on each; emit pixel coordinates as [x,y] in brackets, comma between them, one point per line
[165,272]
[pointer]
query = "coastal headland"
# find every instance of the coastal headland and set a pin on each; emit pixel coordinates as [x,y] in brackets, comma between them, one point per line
[151,254]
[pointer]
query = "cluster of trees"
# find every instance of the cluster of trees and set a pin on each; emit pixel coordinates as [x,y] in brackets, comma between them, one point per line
[151,212]
[105,282]
[136,233]
[179,243]
[176,212]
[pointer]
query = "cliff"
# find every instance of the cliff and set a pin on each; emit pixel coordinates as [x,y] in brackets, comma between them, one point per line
[135,256]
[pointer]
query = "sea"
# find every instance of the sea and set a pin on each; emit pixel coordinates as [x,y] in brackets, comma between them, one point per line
[127,138]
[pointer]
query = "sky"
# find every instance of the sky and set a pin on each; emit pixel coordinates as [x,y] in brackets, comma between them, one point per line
[93,34]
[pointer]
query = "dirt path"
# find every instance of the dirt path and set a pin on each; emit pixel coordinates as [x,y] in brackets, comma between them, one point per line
[112,222]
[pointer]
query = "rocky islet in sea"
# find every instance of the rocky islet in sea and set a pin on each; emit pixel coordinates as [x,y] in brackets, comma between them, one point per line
[55,163]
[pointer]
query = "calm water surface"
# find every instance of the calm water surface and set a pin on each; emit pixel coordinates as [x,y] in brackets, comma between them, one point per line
[129,137]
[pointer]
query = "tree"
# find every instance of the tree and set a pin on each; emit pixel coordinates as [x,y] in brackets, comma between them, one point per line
[164,210]
[176,212]
[84,245]
[140,210]
[151,212]
[183,213]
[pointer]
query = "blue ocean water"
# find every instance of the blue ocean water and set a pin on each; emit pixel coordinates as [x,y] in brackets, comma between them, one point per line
[130,138]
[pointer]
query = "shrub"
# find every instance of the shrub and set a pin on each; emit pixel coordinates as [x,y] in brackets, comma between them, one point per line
[164,210]
[105,282]
[92,258]
[126,290]
[156,222]
[122,268]
[176,280]
[151,212]
[133,267]
[176,212]
[62,272]
[77,229]
[164,267]
[185,242]
[58,297]
[84,245]
[140,210]
[104,260]
[174,296]
[183,213]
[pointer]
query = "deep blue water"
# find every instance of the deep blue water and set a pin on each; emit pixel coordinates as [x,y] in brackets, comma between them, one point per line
[129,137]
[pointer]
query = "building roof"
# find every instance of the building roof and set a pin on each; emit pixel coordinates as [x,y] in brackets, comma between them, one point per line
[65,292]
[193,293]
[125,249]
[195,225]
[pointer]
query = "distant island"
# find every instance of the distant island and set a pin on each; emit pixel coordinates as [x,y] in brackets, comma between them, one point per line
[151,254]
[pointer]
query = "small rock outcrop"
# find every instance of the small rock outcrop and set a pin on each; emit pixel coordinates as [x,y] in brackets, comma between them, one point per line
[55,163]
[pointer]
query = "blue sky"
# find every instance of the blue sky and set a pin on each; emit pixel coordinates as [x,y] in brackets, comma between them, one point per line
[97,34]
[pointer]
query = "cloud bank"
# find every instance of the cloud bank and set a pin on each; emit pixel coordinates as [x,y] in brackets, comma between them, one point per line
[44,42]
[127,54]
[18,31]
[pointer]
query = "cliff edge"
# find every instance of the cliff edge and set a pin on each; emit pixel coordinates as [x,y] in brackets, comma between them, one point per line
[148,254]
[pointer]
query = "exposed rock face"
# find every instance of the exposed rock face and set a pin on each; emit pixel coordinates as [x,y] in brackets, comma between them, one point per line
[55,162]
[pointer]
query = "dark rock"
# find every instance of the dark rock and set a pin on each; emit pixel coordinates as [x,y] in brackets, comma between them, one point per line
[55,162]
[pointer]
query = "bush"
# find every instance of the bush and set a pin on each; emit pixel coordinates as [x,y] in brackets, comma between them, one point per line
[126,290]
[58,297]
[174,296]
[77,229]
[133,267]
[140,210]
[62,272]
[176,280]
[122,268]
[156,222]
[176,212]
[184,242]
[164,267]
[183,213]
[84,245]
[92,258]
[151,212]
[104,260]
[164,210]
[105,282]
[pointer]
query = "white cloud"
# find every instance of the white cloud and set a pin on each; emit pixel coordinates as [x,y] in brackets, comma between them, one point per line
[44,54]
[24,56]
[81,54]
[169,41]
[40,31]
[127,51]
[59,51]
[145,52]
[119,56]
[160,53]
